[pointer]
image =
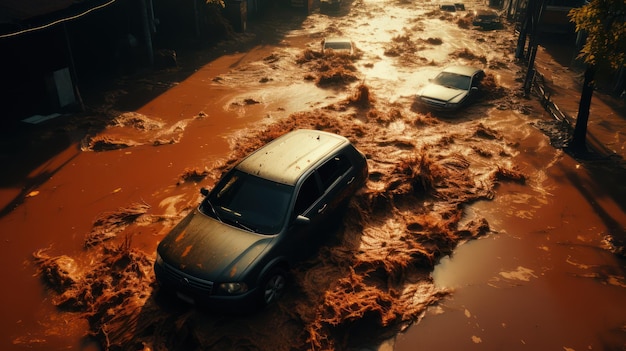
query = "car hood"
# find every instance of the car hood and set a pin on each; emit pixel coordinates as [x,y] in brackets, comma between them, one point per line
[209,249]
[439,92]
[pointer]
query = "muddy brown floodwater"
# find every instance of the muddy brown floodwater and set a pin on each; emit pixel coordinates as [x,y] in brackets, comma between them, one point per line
[472,231]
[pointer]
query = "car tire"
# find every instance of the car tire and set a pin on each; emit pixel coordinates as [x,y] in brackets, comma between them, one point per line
[274,286]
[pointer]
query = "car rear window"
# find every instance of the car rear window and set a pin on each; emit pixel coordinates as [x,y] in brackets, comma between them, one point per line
[309,192]
[333,169]
[337,45]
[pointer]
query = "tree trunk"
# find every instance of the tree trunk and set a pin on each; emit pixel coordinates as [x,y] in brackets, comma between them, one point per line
[579,143]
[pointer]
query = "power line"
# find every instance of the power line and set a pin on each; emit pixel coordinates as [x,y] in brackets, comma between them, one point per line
[62,20]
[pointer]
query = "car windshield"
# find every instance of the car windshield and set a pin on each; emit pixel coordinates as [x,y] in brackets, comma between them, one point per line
[337,45]
[487,16]
[453,80]
[249,202]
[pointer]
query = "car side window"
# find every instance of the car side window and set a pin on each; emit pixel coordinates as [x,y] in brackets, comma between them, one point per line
[477,79]
[309,192]
[334,168]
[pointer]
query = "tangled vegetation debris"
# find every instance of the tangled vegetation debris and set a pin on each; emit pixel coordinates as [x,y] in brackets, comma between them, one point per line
[193,175]
[328,69]
[132,129]
[109,224]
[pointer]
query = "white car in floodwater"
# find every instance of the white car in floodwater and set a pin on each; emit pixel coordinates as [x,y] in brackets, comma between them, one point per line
[452,88]
[330,4]
[338,45]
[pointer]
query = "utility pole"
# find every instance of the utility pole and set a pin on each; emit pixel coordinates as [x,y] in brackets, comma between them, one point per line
[523,31]
[530,28]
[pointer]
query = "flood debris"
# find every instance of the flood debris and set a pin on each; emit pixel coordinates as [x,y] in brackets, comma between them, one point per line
[464,22]
[137,121]
[406,49]
[559,131]
[616,244]
[59,273]
[308,55]
[165,59]
[244,102]
[328,69]
[192,175]
[105,143]
[467,54]
[111,294]
[434,41]
[507,174]
[485,132]
[362,96]
[401,44]
[109,224]
[335,76]
[490,89]
[131,129]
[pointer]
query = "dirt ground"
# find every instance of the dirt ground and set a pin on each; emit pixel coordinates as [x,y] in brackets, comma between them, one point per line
[131,174]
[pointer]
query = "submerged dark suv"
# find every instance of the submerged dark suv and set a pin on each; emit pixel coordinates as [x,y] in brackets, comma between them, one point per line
[274,208]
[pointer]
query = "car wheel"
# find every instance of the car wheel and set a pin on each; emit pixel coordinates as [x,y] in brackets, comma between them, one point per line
[274,286]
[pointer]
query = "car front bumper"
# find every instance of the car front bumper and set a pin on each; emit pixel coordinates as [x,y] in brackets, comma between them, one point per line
[200,292]
[437,105]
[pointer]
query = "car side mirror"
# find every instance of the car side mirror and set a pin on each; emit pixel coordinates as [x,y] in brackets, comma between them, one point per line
[204,192]
[300,219]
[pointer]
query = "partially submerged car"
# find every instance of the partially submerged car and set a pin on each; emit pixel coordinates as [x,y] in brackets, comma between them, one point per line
[452,7]
[452,88]
[272,209]
[447,7]
[330,4]
[338,45]
[486,19]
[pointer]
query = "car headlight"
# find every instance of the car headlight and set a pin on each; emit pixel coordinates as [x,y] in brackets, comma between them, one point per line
[234,288]
[457,100]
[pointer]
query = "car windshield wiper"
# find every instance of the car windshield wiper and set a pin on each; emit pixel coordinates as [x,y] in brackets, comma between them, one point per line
[235,221]
[213,210]
[244,226]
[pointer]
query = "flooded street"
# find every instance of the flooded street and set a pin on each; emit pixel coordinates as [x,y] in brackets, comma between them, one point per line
[472,231]
[545,280]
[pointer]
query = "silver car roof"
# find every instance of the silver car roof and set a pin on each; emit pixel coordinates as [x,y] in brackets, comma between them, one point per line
[337,40]
[462,70]
[288,157]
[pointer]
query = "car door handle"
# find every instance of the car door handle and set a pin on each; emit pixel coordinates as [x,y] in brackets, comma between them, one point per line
[322,209]
[350,181]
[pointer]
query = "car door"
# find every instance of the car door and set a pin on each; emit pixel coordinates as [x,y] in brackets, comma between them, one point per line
[477,80]
[337,176]
[302,236]
[475,85]
[334,177]
[320,198]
